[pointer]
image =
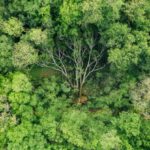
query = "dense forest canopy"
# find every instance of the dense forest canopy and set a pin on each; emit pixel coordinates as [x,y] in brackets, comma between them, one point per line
[74,75]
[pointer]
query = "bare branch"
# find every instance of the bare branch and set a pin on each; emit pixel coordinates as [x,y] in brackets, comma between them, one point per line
[84,61]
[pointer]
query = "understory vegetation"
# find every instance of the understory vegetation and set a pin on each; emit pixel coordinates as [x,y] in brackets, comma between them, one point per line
[74,75]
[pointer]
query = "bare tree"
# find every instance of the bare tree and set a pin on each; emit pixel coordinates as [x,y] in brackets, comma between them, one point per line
[78,62]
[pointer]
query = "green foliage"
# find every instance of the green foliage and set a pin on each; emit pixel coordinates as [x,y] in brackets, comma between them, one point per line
[1,8]
[129,124]
[81,130]
[111,11]
[141,97]
[126,48]
[50,126]
[111,140]
[118,98]
[5,53]
[92,11]
[117,35]
[7,120]
[24,54]
[145,134]
[70,13]
[5,85]
[31,12]
[45,114]
[12,27]
[39,110]
[37,36]
[21,83]
[137,14]
[26,136]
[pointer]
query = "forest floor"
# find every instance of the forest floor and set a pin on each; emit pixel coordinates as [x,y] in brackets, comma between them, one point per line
[42,72]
